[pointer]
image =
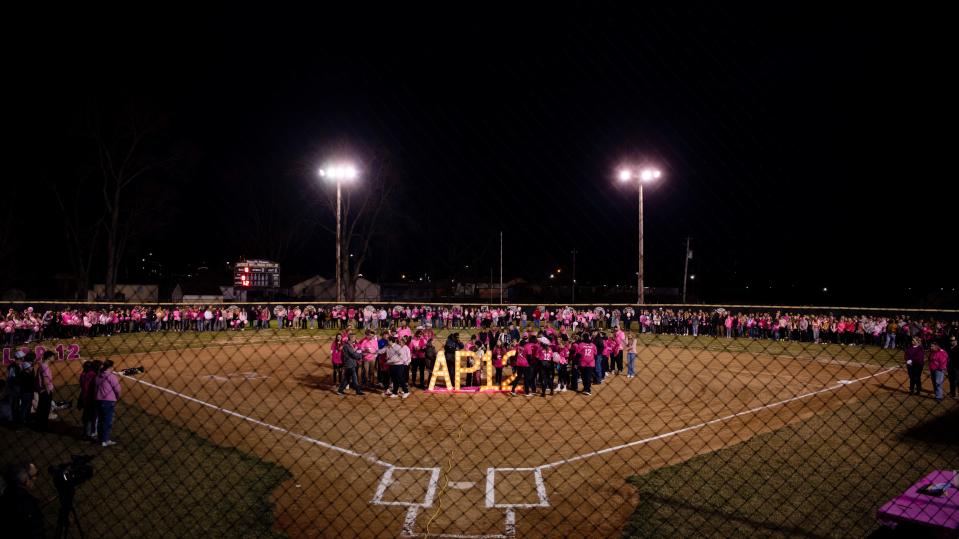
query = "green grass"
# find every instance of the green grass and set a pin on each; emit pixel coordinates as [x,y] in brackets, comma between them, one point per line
[824,477]
[159,481]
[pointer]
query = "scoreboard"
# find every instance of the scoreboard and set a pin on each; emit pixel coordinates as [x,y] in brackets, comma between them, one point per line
[256,274]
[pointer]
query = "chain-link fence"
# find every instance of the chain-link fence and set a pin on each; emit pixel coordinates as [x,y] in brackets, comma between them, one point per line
[384,420]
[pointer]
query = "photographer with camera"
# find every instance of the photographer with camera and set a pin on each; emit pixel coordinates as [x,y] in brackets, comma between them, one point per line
[20,514]
[107,394]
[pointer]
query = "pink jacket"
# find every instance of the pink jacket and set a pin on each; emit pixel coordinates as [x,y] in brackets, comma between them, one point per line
[108,388]
[938,360]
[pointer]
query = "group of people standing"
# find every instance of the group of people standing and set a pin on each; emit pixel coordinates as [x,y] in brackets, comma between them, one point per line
[26,395]
[943,364]
[548,359]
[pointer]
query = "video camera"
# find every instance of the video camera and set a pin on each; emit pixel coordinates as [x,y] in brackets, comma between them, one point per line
[68,475]
[132,370]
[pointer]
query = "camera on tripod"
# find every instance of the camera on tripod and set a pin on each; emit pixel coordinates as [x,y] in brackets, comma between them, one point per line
[66,477]
[132,370]
[70,474]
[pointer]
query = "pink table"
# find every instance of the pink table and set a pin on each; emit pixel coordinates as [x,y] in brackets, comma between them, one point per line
[937,513]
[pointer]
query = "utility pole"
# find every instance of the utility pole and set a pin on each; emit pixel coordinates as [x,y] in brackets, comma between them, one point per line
[689,254]
[573,300]
[501,267]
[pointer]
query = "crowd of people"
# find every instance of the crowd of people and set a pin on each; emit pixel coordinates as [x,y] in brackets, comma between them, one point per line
[26,395]
[549,359]
[885,331]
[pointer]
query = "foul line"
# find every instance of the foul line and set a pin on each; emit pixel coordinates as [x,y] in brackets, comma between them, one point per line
[844,383]
[261,423]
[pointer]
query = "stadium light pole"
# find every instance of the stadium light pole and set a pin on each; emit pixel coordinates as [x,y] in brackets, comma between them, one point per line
[338,173]
[642,175]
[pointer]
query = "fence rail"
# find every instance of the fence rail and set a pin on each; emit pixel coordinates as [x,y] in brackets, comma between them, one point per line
[701,420]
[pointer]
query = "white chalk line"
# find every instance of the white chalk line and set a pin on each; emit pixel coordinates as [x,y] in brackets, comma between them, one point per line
[510,517]
[387,479]
[491,489]
[844,383]
[269,426]
[410,521]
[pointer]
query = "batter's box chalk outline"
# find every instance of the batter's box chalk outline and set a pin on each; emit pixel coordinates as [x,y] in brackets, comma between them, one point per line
[491,488]
[387,479]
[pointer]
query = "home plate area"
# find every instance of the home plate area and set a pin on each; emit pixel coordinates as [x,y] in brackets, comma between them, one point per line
[467,507]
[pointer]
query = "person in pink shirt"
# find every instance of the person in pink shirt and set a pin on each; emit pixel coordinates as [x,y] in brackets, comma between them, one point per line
[938,360]
[522,369]
[587,362]
[498,353]
[368,347]
[108,393]
[336,358]
[418,358]
[547,368]
[561,359]
[44,388]
[618,345]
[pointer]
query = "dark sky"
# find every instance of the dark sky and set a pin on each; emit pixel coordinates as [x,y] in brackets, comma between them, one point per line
[802,148]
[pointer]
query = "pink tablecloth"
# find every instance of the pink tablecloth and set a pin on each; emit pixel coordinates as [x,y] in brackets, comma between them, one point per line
[940,513]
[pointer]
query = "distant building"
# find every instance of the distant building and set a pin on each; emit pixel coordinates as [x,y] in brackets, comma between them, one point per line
[134,293]
[197,293]
[319,288]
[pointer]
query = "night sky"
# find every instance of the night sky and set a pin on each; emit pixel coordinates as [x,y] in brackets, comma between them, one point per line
[801,149]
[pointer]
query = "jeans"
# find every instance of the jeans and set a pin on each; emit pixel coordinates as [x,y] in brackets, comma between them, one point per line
[107,408]
[598,369]
[630,364]
[26,404]
[546,376]
[348,376]
[43,410]
[398,376]
[915,378]
[587,373]
[418,364]
[526,373]
[937,378]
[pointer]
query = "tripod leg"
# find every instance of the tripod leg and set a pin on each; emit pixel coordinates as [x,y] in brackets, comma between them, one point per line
[63,523]
[76,520]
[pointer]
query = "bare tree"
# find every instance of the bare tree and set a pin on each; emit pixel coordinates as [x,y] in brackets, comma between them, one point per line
[279,226]
[126,155]
[82,232]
